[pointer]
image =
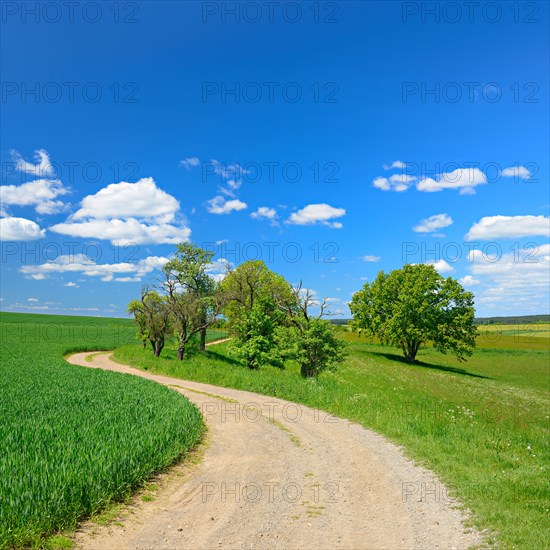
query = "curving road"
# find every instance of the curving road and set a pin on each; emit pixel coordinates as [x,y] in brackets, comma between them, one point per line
[281,475]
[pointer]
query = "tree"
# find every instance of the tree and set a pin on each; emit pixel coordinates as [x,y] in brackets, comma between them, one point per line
[255,333]
[191,294]
[152,316]
[249,282]
[317,345]
[251,294]
[415,305]
[135,307]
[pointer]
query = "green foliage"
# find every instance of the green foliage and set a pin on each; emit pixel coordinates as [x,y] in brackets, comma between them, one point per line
[73,439]
[191,295]
[318,347]
[255,331]
[249,282]
[415,305]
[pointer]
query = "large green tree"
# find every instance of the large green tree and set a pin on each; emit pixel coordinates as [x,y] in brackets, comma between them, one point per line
[191,294]
[415,305]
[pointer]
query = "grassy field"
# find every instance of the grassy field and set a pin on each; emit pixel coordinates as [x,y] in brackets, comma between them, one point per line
[481,425]
[72,439]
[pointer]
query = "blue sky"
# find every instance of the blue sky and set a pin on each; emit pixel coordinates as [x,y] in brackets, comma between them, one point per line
[332,140]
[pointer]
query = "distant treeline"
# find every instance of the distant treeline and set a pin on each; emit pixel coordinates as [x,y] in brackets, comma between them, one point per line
[517,320]
[511,320]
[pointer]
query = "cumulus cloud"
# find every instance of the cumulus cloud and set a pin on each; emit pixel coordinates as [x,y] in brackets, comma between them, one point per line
[395,164]
[317,214]
[71,284]
[40,194]
[463,179]
[20,229]
[80,263]
[219,205]
[190,162]
[431,224]
[142,199]
[123,213]
[122,232]
[265,213]
[507,227]
[441,265]
[41,168]
[512,282]
[468,280]
[517,172]
[396,182]
[369,258]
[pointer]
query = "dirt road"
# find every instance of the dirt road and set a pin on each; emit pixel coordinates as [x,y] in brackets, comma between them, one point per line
[280,475]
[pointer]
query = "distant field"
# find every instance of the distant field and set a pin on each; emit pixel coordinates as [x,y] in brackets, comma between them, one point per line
[74,439]
[481,425]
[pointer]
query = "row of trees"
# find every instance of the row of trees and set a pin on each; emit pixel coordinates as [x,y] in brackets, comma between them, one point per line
[270,321]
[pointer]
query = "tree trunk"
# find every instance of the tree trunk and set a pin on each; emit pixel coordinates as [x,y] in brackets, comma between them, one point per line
[160,345]
[410,349]
[144,343]
[203,340]
[180,354]
[154,346]
[306,370]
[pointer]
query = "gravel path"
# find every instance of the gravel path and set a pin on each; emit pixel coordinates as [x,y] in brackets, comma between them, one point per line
[280,475]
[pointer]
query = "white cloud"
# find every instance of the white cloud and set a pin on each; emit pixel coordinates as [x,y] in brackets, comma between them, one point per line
[396,182]
[71,284]
[264,213]
[395,164]
[464,179]
[39,193]
[369,258]
[317,213]
[32,299]
[123,213]
[79,263]
[512,282]
[517,172]
[142,200]
[506,227]
[122,232]
[190,162]
[431,224]
[441,265]
[19,229]
[42,167]
[468,280]
[219,205]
